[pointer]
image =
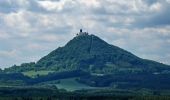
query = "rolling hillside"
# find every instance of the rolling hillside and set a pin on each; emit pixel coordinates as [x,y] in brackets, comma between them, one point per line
[95,63]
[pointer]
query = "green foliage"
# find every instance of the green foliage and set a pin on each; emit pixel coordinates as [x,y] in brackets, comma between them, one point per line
[69,84]
[12,79]
[34,74]
[98,59]
[41,93]
[23,67]
[90,53]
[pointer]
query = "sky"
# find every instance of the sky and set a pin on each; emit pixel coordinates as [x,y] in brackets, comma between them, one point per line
[30,29]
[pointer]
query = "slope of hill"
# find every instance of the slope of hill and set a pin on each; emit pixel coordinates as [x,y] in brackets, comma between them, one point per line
[92,54]
[93,62]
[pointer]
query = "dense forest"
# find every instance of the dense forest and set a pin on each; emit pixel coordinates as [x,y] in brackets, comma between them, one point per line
[52,93]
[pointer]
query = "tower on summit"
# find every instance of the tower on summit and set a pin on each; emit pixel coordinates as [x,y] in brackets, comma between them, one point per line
[82,33]
[81,30]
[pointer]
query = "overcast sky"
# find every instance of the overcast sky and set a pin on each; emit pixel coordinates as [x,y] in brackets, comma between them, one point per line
[30,29]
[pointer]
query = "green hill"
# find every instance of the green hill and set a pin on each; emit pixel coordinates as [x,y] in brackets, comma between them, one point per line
[94,63]
[92,54]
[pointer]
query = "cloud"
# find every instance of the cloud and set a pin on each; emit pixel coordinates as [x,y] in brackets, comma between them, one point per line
[4,35]
[10,6]
[161,16]
[151,43]
[8,53]
[52,5]
[33,28]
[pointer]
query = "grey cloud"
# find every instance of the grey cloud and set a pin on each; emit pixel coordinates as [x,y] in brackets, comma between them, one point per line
[30,25]
[150,41]
[6,7]
[150,2]
[160,18]
[9,6]
[148,13]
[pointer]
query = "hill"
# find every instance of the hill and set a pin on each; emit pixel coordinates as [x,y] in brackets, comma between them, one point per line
[93,62]
[92,54]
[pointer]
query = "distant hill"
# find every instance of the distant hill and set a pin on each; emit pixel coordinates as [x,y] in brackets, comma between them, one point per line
[92,54]
[93,62]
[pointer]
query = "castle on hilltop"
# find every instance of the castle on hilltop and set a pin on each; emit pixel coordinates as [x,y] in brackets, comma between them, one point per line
[82,33]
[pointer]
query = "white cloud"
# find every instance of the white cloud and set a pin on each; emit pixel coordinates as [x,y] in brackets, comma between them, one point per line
[57,6]
[11,53]
[91,3]
[17,22]
[168,1]
[156,7]
[52,37]
[4,35]
[35,46]
[51,5]
[139,26]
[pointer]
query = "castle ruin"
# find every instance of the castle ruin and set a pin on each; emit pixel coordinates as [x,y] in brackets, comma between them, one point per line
[82,33]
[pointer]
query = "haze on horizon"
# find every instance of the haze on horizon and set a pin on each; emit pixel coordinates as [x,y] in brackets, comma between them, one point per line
[30,29]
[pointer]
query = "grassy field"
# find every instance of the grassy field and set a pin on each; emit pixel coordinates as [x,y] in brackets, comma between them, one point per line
[34,74]
[71,84]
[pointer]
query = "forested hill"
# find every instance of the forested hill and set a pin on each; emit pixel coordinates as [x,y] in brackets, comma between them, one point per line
[94,55]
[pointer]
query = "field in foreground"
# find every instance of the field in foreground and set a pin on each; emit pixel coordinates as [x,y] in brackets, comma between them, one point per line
[52,93]
[88,98]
